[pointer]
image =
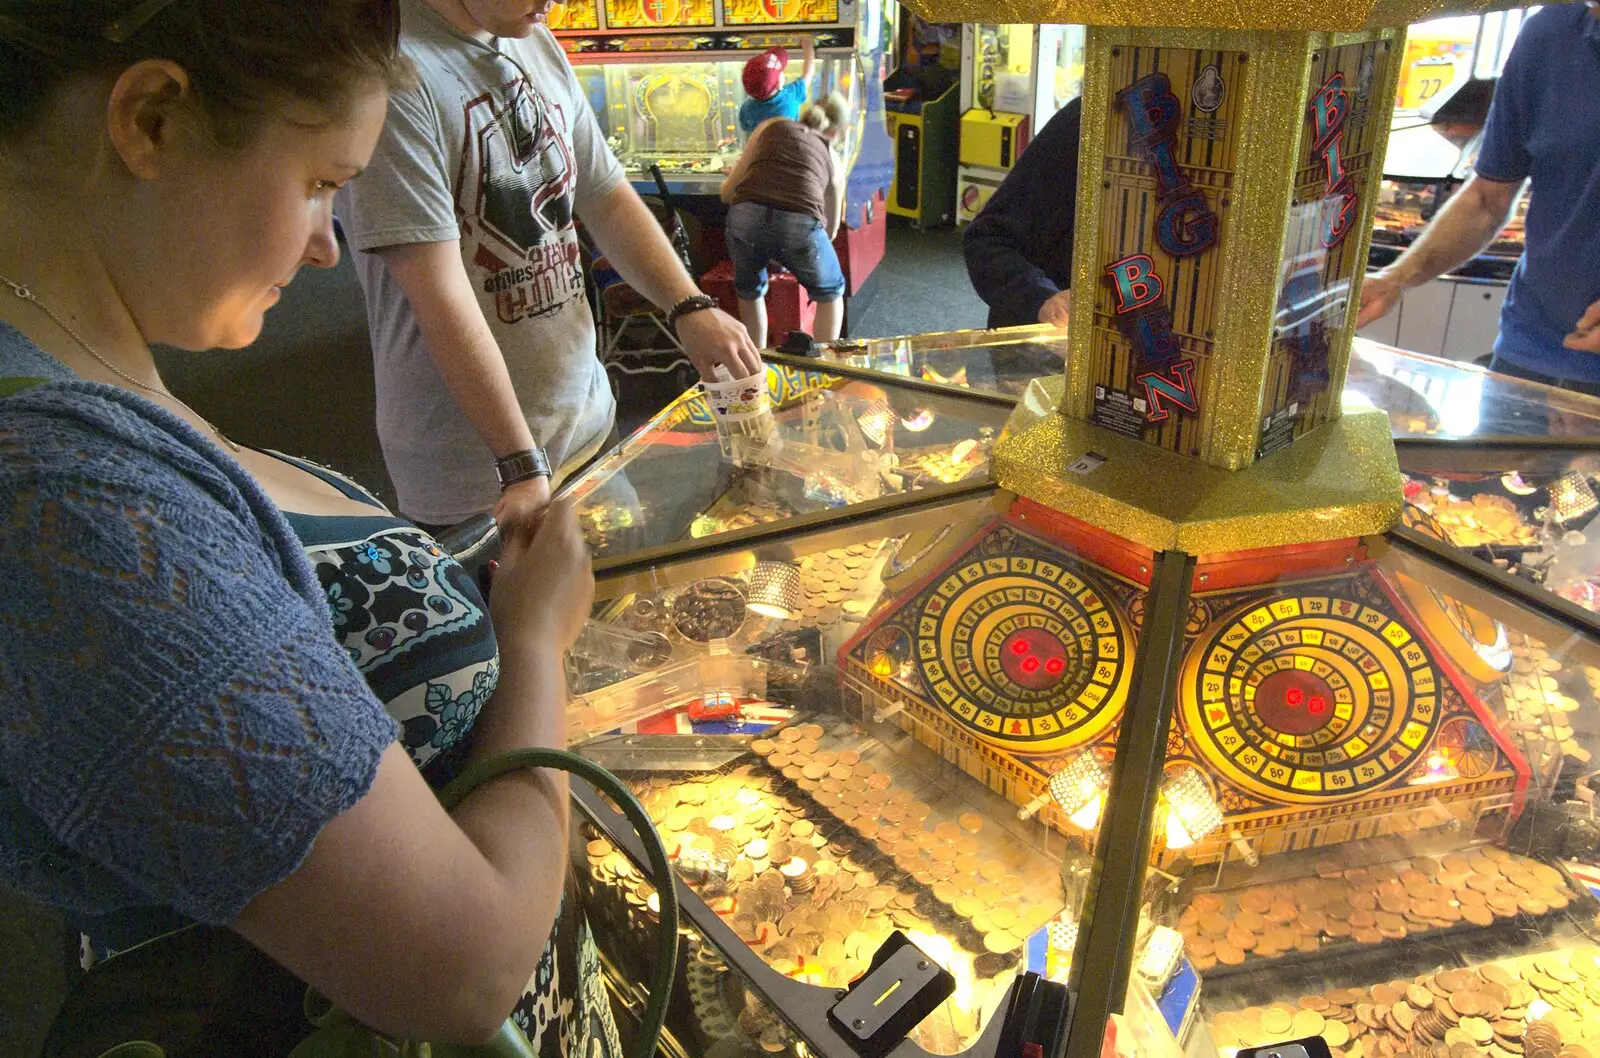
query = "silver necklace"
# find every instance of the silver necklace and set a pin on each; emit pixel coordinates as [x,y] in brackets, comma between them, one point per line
[27,295]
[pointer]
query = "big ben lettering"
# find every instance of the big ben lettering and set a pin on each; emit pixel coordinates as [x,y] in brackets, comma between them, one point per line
[1186,227]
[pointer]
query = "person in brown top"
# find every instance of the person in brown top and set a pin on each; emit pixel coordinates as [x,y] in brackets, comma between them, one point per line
[786,195]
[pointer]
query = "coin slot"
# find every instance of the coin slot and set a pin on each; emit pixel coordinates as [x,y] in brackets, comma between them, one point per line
[887,993]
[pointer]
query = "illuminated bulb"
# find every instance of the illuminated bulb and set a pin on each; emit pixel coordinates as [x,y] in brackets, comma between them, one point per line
[1030,665]
[1019,647]
[1571,497]
[1514,484]
[1177,836]
[919,420]
[1080,786]
[1192,813]
[1293,695]
[1054,666]
[1087,817]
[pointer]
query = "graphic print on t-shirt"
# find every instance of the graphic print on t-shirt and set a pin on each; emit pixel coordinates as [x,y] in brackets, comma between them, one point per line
[515,199]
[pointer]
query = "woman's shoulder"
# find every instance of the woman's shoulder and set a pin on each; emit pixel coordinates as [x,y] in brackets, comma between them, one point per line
[82,450]
[79,430]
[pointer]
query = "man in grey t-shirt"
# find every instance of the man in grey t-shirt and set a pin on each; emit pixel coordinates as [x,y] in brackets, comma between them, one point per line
[483,342]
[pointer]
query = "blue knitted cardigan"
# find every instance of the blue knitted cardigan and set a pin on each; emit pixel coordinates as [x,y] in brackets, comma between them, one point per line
[177,720]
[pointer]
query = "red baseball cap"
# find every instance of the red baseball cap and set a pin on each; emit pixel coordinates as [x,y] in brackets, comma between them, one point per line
[763,75]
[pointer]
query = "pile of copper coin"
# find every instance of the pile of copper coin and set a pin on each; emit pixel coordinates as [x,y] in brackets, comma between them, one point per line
[1000,886]
[834,583]
[818,891]
[1368,905]
[1538,1006]
[709,609]
[814,856]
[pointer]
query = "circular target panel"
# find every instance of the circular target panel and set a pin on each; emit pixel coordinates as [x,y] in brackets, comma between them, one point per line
[1309,698]
[1024,652]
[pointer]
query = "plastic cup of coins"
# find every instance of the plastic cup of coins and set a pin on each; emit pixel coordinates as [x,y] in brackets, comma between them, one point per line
[742,410]
[735,400]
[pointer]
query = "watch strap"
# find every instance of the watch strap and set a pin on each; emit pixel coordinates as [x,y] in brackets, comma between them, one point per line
[520,466]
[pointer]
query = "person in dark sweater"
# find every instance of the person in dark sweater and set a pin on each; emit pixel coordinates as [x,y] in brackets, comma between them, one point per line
[1019,249]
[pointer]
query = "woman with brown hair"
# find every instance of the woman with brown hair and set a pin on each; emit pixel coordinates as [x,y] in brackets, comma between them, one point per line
[228,677]
[786,198]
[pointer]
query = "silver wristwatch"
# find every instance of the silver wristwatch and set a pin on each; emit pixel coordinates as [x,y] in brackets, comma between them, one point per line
[520,466]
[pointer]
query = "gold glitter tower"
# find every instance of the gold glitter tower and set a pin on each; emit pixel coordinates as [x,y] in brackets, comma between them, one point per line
[1228,170]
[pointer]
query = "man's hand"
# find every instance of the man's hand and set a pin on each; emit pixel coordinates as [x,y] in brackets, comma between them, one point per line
[711,337]
[522,506]
[1057,309]
[1585,337]
[1379,295]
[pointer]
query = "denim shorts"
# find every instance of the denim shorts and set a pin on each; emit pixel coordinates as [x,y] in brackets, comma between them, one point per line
[757,234]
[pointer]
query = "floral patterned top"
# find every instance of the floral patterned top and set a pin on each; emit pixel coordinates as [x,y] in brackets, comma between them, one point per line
[410,617]
[418,628]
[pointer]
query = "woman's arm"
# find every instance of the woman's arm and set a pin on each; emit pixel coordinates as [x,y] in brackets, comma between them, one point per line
[428,925]
[834,197]
[246,774]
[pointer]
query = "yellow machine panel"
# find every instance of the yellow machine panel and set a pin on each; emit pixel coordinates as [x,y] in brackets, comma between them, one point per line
[574,14]
[652,14]
[1322,248]
[775,12]
[992,139]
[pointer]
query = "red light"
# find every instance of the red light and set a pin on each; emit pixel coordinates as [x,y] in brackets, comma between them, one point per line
[1019,647]
[1294,695]
[1054,666]
[1030,664]
[1318,704]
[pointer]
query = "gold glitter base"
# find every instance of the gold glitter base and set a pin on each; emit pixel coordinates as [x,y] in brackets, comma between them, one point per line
[1340,480]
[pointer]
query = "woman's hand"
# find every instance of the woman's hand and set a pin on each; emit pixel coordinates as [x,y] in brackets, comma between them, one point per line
[545,583]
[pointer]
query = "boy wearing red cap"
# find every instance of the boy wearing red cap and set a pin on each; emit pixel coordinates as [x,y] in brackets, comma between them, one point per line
[769,96]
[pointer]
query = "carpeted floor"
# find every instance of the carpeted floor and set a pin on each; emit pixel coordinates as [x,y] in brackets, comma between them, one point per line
[306,388]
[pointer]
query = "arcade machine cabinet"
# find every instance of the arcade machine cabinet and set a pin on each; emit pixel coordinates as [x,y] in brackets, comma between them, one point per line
[1013,79]
[922,105]
[663,78]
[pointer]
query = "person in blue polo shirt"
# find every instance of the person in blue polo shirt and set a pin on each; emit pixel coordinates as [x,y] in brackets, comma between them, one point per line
[1544,127]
